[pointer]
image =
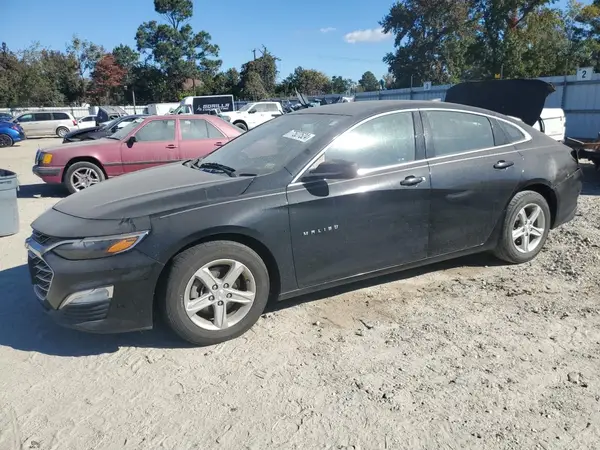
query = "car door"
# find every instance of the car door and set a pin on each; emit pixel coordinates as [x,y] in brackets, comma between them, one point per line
[198,138]
[379,219]
[257,115]
[155,144]
[27,122]
[474,173]
[44,123]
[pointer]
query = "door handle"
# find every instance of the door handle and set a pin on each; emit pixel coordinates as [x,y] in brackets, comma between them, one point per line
[218,144]
[171,146]
[503,164]
[411,180]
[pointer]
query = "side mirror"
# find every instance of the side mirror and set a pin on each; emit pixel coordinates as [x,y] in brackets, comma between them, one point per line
[131,141]
[333,170]
[252,111]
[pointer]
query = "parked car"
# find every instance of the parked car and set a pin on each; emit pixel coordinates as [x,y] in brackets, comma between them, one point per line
[143,143]
[46,123]
[98,132]
[87,122]
[6,117]
[254,114]
[107,113]
[10,133]
[317,198]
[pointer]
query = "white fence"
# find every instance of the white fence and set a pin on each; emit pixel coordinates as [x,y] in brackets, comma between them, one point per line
[579,99]
[77,111]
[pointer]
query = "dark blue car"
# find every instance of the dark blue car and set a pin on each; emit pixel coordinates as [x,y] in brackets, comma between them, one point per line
[10,133]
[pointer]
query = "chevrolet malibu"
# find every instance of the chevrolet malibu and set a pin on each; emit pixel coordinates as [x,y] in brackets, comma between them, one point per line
[143,143]
[314,199]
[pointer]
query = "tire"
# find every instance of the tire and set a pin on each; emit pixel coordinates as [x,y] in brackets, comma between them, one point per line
[515,250]
[96,175]
[241,126]
[62,131]
[6,141]
[201,328]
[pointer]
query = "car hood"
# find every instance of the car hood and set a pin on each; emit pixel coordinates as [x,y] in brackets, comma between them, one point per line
[81,131]
[73,147]
[520,98]
[152,191]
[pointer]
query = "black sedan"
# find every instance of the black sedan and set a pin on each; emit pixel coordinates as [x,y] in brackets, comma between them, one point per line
[314,199]
[99,132]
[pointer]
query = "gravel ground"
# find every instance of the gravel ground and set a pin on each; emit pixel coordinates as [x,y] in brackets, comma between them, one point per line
[467,354]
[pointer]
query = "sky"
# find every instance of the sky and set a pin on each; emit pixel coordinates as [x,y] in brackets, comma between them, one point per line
[337,37]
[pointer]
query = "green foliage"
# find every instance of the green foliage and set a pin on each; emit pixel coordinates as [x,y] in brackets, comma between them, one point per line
[369,82]
[308,81]
[340,85]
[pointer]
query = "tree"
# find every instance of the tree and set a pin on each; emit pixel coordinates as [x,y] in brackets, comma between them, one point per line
[340,85]
[308,81]
[173,46]
[369,82]
[86,54]
[259,76]
[389,81]
[106,78]
[583,29]
[432,40]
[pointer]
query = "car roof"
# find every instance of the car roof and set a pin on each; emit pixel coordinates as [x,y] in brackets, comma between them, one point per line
[364,109]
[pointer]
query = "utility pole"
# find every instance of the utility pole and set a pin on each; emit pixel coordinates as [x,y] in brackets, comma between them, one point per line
[254,53]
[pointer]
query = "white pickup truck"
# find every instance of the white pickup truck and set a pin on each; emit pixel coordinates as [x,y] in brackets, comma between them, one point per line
[253,114]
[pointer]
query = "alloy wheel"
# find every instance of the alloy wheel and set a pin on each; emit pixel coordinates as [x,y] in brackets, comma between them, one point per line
[84,178]
[528,228]
[220,294]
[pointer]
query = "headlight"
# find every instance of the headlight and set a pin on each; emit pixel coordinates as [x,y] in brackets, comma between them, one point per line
[100,247]
[43,157]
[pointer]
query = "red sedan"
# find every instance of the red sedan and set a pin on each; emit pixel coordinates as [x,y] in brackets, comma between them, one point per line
[146,142]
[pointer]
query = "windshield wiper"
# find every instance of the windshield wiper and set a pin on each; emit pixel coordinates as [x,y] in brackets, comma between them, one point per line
[216,166]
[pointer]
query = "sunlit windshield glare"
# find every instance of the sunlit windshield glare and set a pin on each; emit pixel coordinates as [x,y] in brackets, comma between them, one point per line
[110,124]
[271,146]
[246,107]
[121,133]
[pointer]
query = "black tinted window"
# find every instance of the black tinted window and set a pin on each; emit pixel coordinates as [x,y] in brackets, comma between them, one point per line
[60,116]
[157,130]
[456,132]
[42,116]
[380,142]
[513,134]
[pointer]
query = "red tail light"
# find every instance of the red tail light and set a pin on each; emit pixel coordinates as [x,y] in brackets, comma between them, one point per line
[15,127]
[74,123]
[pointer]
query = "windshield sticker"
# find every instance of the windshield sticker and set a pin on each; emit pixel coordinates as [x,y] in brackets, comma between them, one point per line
[301,136]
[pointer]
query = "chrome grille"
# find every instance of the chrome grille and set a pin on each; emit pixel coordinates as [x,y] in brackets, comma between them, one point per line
[42,276]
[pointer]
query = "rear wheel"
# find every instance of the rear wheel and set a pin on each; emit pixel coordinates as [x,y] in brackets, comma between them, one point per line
[214,292]
[82,175]
[525,229]
[6,140]
[62,131]
[241,126]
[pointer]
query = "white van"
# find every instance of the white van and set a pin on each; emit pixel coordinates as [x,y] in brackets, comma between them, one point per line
[552,123]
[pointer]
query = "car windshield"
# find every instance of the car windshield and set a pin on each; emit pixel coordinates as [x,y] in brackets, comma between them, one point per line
[109,124]
[246,107]
[121,133]
[182,109]
[271,146]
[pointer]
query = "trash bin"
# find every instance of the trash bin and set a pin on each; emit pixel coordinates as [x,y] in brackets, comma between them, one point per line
[9,210]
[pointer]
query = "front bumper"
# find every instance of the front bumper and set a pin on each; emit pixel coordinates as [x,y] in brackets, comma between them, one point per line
[48,174]
[131,278]
[567,194]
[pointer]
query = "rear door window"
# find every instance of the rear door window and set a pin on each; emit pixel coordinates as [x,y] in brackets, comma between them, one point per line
[60,116]
[42,116]
[455,132]
[513,134]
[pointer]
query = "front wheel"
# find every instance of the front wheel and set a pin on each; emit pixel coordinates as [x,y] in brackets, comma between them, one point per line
[62,131]
[82,175]
[525,229]
[215,292]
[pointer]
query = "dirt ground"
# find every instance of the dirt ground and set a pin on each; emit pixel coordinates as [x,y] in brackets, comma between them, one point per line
[467,354]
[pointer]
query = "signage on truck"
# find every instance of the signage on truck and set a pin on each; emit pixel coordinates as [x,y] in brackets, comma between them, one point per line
[203,105]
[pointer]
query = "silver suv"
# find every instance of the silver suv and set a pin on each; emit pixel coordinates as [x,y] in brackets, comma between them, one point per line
[47,123]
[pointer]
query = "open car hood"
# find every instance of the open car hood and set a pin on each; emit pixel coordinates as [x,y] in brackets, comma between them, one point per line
[520,98]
